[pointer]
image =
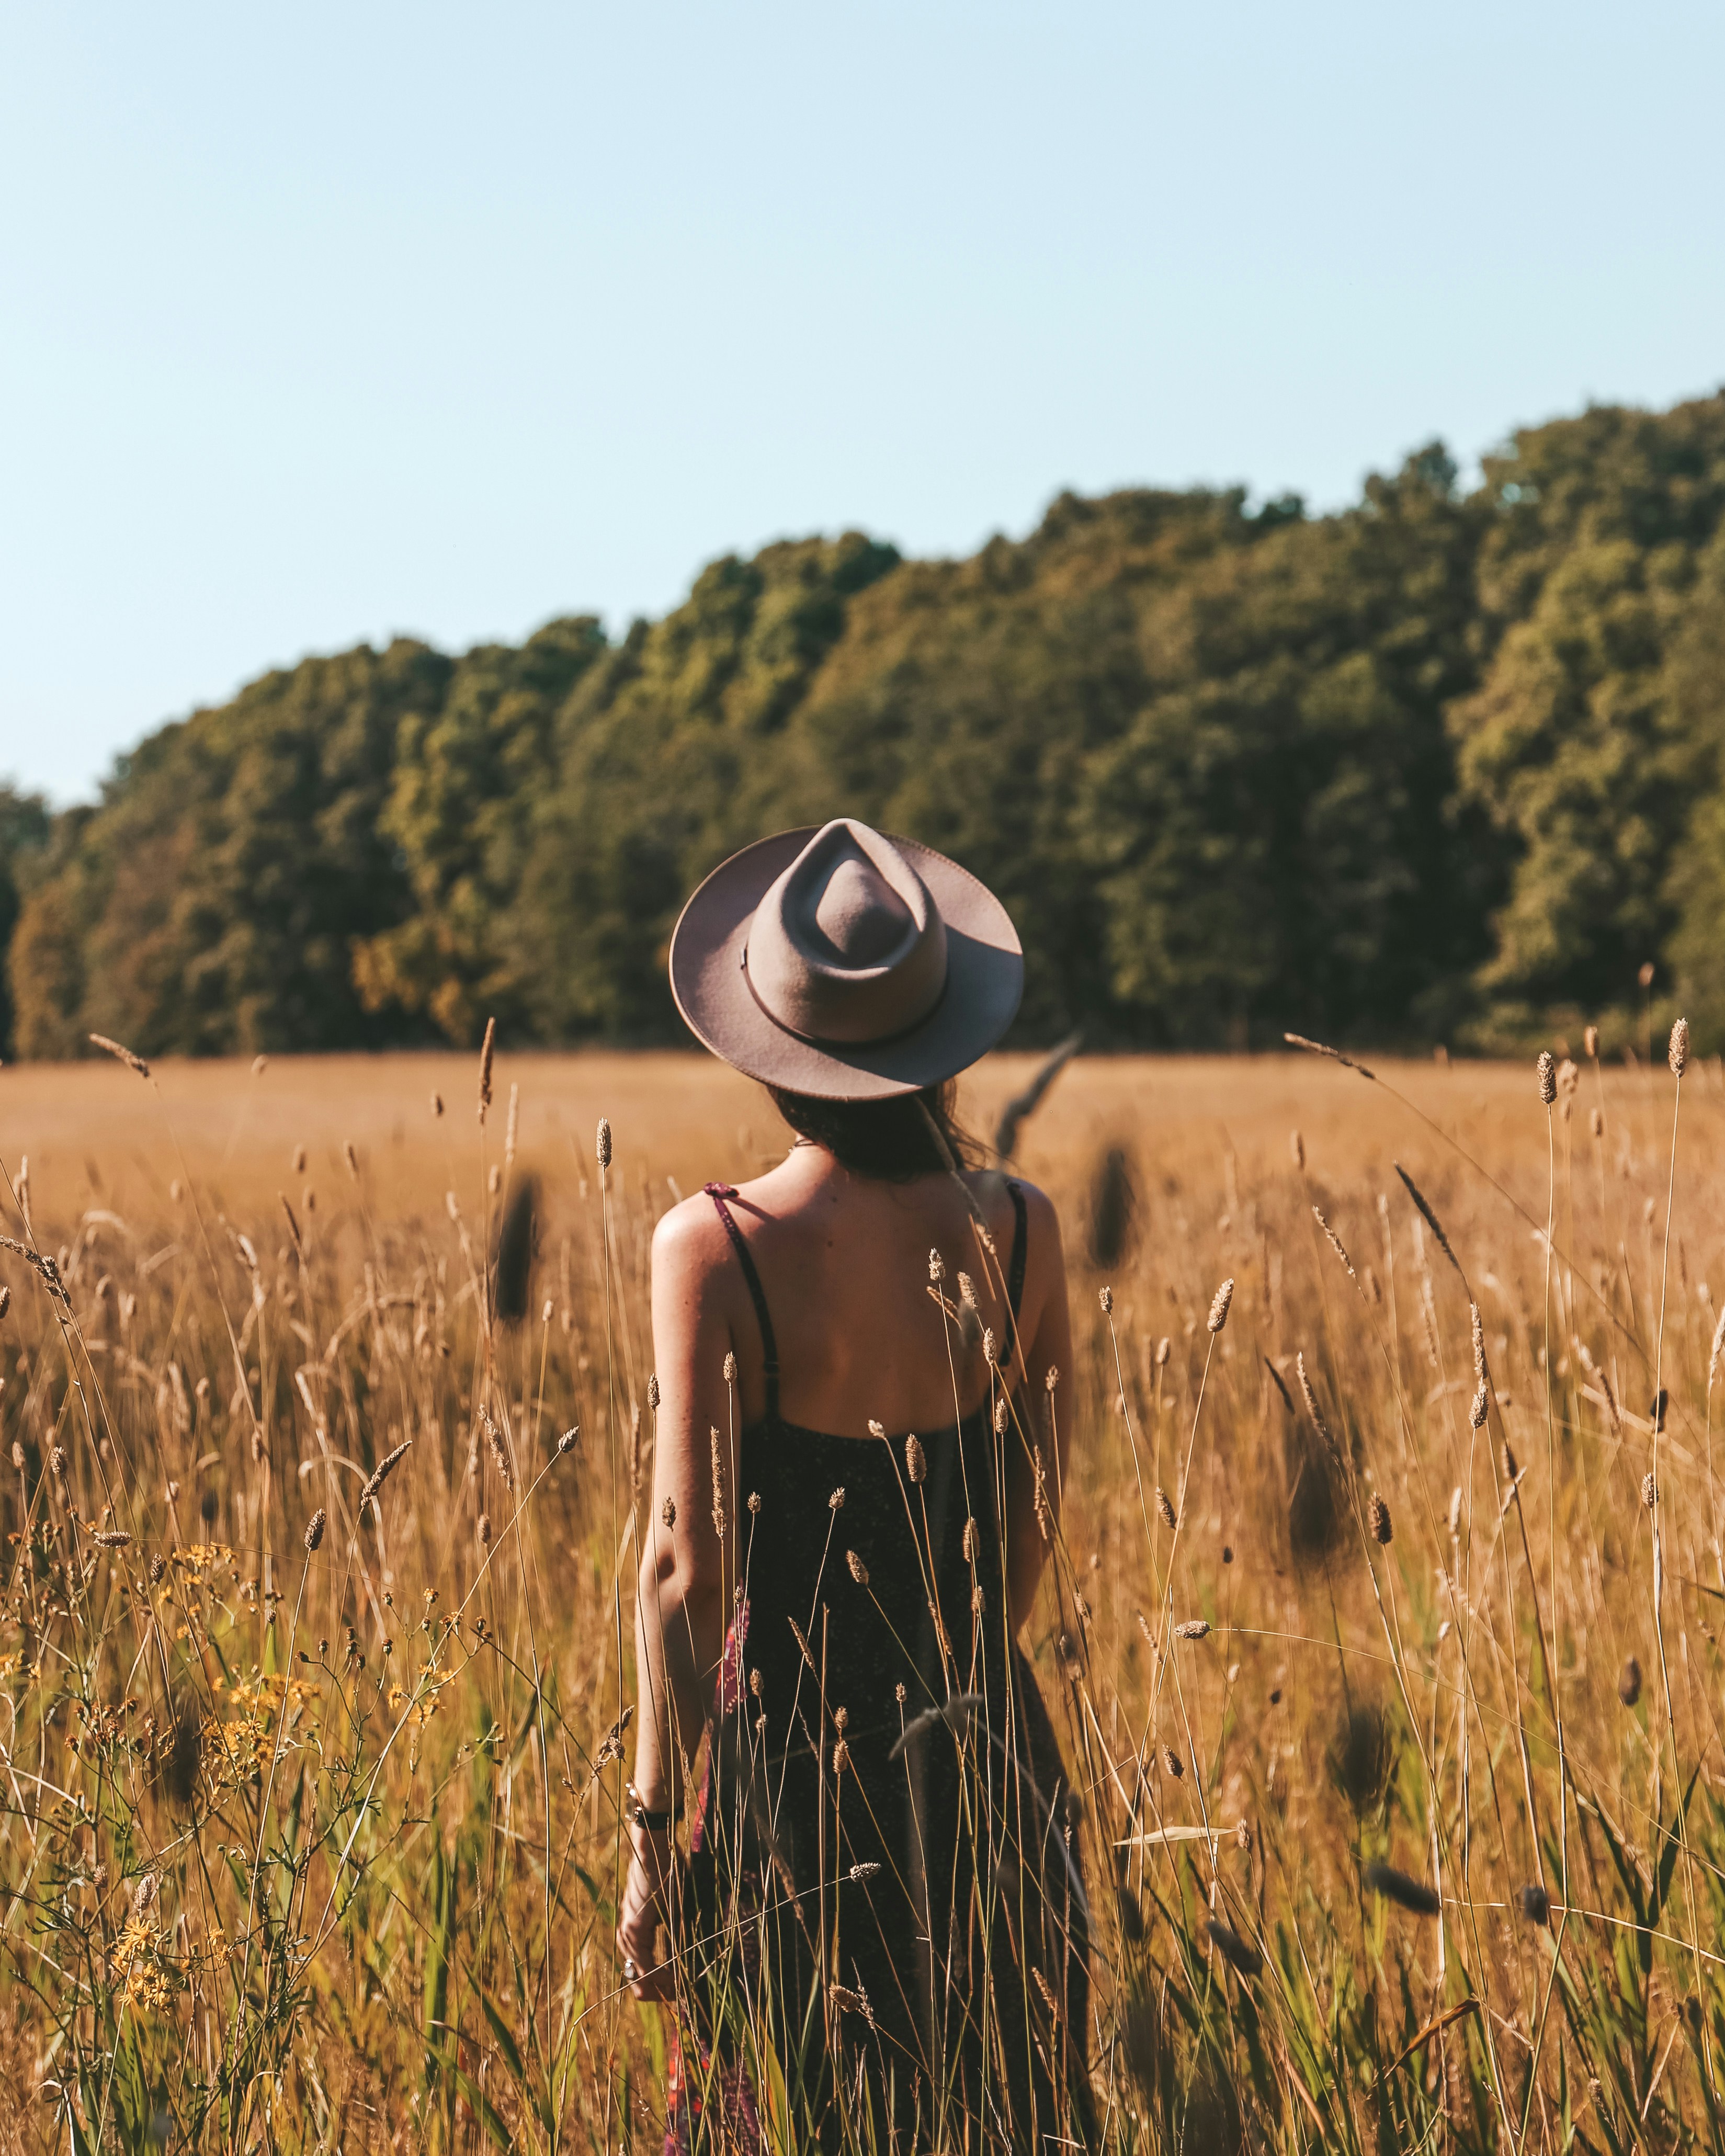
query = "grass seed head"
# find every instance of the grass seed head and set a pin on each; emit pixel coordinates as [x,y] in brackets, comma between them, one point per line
[1547,1070]
[1406,1892]
[1427,1214]
[916,1460]
[668,1511]
[380,1474]
[1361,1755]
[482,1531]
[1480,1407]
[1243,1959]
[1590,1043]
[488,1049]
[1104,1295]
[315,1529]
[1194,1628]
[499,1451]
[720,1522]
[1312,1408]
[859,1570]
[1629,1682]
[602,1145]
[1165,1507]
[1378,1520]
[1218,1308]
[120,1054]
[1678,1055]
[1172,1762]
[1649,1492]
[1335,1242]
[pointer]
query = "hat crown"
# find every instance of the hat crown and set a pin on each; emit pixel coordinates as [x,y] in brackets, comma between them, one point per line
[862,918]
[847,946]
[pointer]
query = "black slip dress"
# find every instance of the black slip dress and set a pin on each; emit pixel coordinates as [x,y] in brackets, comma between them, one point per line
[883,1936]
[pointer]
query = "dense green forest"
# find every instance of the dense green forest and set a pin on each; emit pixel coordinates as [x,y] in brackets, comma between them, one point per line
[1444,766]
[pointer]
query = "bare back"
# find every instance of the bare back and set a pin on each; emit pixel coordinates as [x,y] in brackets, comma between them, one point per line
[844,1262]
[843,1265]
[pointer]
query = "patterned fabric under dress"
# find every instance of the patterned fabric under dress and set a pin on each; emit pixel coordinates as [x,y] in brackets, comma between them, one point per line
[883,1936]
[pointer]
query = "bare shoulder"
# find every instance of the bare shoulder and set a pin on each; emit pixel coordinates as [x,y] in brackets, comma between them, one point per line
[1043,1222]
[689,1239]
[1038,1203]
[990,1187]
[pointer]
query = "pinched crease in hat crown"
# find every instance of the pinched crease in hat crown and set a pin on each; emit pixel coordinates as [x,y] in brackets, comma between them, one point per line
[848,945]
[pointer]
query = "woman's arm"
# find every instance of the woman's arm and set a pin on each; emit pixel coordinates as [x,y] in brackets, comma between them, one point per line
[684,1580]
[1042,1420]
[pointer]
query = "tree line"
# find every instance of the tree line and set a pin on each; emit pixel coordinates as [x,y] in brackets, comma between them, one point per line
[1446,765]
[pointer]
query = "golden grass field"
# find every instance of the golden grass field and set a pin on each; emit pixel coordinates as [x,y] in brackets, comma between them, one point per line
[320,1849]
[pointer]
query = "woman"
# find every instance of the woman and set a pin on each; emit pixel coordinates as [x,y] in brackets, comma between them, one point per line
[879,1938]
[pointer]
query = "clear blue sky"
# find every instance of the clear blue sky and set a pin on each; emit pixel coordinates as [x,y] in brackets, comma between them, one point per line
[325,323]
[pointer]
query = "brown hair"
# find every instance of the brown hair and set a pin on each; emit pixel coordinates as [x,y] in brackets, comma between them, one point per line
[891,1141]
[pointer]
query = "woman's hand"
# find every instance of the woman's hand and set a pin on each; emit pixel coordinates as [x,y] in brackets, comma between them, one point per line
[646,1910]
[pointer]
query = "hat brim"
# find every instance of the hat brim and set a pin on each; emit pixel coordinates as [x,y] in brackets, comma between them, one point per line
[985,980]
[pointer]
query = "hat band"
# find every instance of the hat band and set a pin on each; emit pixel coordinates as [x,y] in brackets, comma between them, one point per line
[826,1040]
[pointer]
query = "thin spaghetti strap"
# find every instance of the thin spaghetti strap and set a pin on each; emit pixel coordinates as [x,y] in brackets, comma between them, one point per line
[719,1192]
[1015,1267]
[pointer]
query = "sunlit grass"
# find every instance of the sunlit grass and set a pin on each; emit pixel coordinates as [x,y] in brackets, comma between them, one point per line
[321,1846]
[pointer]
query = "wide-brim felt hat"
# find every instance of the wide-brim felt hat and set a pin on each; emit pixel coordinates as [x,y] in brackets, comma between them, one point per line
[837,961]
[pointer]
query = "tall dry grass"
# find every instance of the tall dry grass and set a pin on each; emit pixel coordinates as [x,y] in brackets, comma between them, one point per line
[1392,1697]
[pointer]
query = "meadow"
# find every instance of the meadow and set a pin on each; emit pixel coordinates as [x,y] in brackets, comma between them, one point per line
[1380,1632]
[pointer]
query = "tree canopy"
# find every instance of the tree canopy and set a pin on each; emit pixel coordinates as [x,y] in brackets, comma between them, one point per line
[1441,765]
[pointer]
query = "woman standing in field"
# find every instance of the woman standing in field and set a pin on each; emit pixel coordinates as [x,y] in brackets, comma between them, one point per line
[878,1939]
